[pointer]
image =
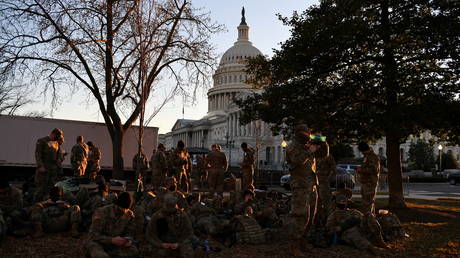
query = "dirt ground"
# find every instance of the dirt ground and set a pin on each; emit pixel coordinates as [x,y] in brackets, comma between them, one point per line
[433,226]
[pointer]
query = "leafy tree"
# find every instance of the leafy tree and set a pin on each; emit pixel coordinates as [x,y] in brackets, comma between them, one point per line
[342,151]
[118,51]
[421,156]
[363,70]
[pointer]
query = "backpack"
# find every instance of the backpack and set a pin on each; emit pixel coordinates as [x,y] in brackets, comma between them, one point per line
[248,231]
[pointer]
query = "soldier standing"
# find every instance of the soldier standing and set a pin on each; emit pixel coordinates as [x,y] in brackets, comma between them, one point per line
[46,156]
[368,177]
[202,173]
[79,157]
[55,215]
[140,166]
[94,157]
[112,229]
[182,165]
[216,163]
[159,166]
[325,169]
[303,181]
[170,231]
[247,166]
[60,158]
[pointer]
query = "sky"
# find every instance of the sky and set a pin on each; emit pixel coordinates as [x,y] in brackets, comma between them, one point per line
[266,33]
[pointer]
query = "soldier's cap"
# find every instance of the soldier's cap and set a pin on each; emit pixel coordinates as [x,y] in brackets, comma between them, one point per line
[341,199]
[124,200]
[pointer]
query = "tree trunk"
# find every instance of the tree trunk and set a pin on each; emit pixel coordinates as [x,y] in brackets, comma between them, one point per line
[117,153]
[394,172]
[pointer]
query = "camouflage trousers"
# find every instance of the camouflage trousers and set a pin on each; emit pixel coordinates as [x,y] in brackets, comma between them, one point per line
[44,181]
[368,191]
[56,224]
[247,178]
[324,194]
[79,168]
[354,237]
[96,250]
[303,208]
[183,181]
[216,180]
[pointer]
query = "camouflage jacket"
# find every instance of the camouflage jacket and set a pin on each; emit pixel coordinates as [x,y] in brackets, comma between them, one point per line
[106,225]
[344,218]
[370,169]
[46,153]
[79,155]
[94,155]
[169,228]
[325,168]
[302,165]
[180,161]
[142,160]
[248,158]
[216,160]
[158,163]
[11,200]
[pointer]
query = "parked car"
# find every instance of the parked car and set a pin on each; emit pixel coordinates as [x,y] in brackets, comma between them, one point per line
[454,178]
[351,168]
[342,178]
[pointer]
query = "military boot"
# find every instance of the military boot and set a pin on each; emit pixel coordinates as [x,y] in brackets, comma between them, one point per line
[74,231]
[38,230]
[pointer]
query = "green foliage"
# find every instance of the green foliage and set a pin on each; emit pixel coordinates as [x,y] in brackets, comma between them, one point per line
[361,73]
[342,151]
[421,156]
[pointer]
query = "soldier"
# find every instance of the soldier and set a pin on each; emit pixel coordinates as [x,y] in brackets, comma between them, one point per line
[325,169]
[352,227]
[216,163]
[79,157]
[182,165]
[248,201]
[368,177]
[159,166]
[171,186]
[300,158]
[140,166]
[112,229]
[60,158]
[10,204]
[46,156]
[202,173]
[247,166]
[94,157]
[170,231]
[55,215]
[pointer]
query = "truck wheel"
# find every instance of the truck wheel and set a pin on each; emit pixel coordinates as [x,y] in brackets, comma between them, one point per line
[452,181]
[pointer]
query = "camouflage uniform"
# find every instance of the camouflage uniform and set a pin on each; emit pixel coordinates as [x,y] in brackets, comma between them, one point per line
[79,159]
[303,183]
[60,159]
[202,173]
[93,167]
[181,164]
[170,227]
[216,162]
[325,169]
[247,168]
[106,225]
[204,219]
[368,177]
[57,216]
[143,166]
[159,166]
[392,228]
[46,155]
[11,204]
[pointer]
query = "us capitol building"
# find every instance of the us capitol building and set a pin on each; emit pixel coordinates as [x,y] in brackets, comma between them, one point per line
[221,124]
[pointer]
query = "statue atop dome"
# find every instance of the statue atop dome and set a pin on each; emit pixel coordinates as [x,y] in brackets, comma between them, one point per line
[243,19]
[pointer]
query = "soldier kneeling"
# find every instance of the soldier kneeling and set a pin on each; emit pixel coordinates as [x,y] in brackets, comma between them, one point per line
[55,215]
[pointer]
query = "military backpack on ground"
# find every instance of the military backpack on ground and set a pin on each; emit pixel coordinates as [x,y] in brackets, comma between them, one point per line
[248,231]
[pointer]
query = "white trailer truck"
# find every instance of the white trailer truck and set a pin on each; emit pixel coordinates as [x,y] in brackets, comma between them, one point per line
[18,136]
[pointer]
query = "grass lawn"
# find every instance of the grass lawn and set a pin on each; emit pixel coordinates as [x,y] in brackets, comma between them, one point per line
[433,226]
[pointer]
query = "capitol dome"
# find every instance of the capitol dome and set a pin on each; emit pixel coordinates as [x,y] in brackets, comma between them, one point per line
[230,77]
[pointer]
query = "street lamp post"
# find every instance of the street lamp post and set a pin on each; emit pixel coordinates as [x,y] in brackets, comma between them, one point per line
[229,144]
[440,157]
[284,145]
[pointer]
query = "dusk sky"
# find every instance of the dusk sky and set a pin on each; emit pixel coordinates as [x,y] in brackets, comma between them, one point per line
[266,32]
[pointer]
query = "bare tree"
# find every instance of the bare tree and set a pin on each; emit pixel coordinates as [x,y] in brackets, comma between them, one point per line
[121,51]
